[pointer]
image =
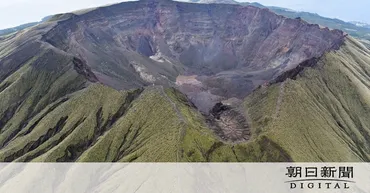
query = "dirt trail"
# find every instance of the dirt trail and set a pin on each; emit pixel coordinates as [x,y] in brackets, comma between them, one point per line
[173,105]
[180,116]
[280,100]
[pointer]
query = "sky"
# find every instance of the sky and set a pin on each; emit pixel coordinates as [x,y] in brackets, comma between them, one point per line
[16,12]
[347,10]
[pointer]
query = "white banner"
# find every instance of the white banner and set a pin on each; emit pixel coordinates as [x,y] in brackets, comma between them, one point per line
[184,177]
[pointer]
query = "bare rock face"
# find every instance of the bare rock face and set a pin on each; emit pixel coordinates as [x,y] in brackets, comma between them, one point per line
[210,40]
[83,69]
[229,49]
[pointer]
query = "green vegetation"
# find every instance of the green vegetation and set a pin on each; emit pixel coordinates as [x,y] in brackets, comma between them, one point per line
[324,113]
[47,114]
[100,124]
[53,109]
[51,113]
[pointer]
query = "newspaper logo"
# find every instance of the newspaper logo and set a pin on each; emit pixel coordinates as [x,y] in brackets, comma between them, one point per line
[317,178]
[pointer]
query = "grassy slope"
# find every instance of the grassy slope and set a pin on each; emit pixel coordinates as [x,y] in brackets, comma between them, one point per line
[323,114]
[49,112]
[31,88]
[45,116]
[102,124]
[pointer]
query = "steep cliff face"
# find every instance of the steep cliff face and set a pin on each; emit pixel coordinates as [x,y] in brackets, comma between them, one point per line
[229,48]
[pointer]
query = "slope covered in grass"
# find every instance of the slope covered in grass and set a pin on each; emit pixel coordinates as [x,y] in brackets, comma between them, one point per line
[60,115]
[100,124]
[323,115]
[60,102]
[52,110]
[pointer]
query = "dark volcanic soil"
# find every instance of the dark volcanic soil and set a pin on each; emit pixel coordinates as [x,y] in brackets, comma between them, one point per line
[228,123]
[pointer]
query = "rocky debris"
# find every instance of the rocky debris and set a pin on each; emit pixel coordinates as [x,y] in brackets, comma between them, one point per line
[197,93]
[228,123]
[293,73]
[143,73]
[84,70]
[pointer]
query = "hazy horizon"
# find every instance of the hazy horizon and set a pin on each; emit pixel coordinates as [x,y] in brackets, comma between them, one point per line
[16,12]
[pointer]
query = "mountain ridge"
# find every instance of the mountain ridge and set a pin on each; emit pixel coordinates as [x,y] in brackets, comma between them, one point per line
[127,83]
[151,41]
[360,30]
